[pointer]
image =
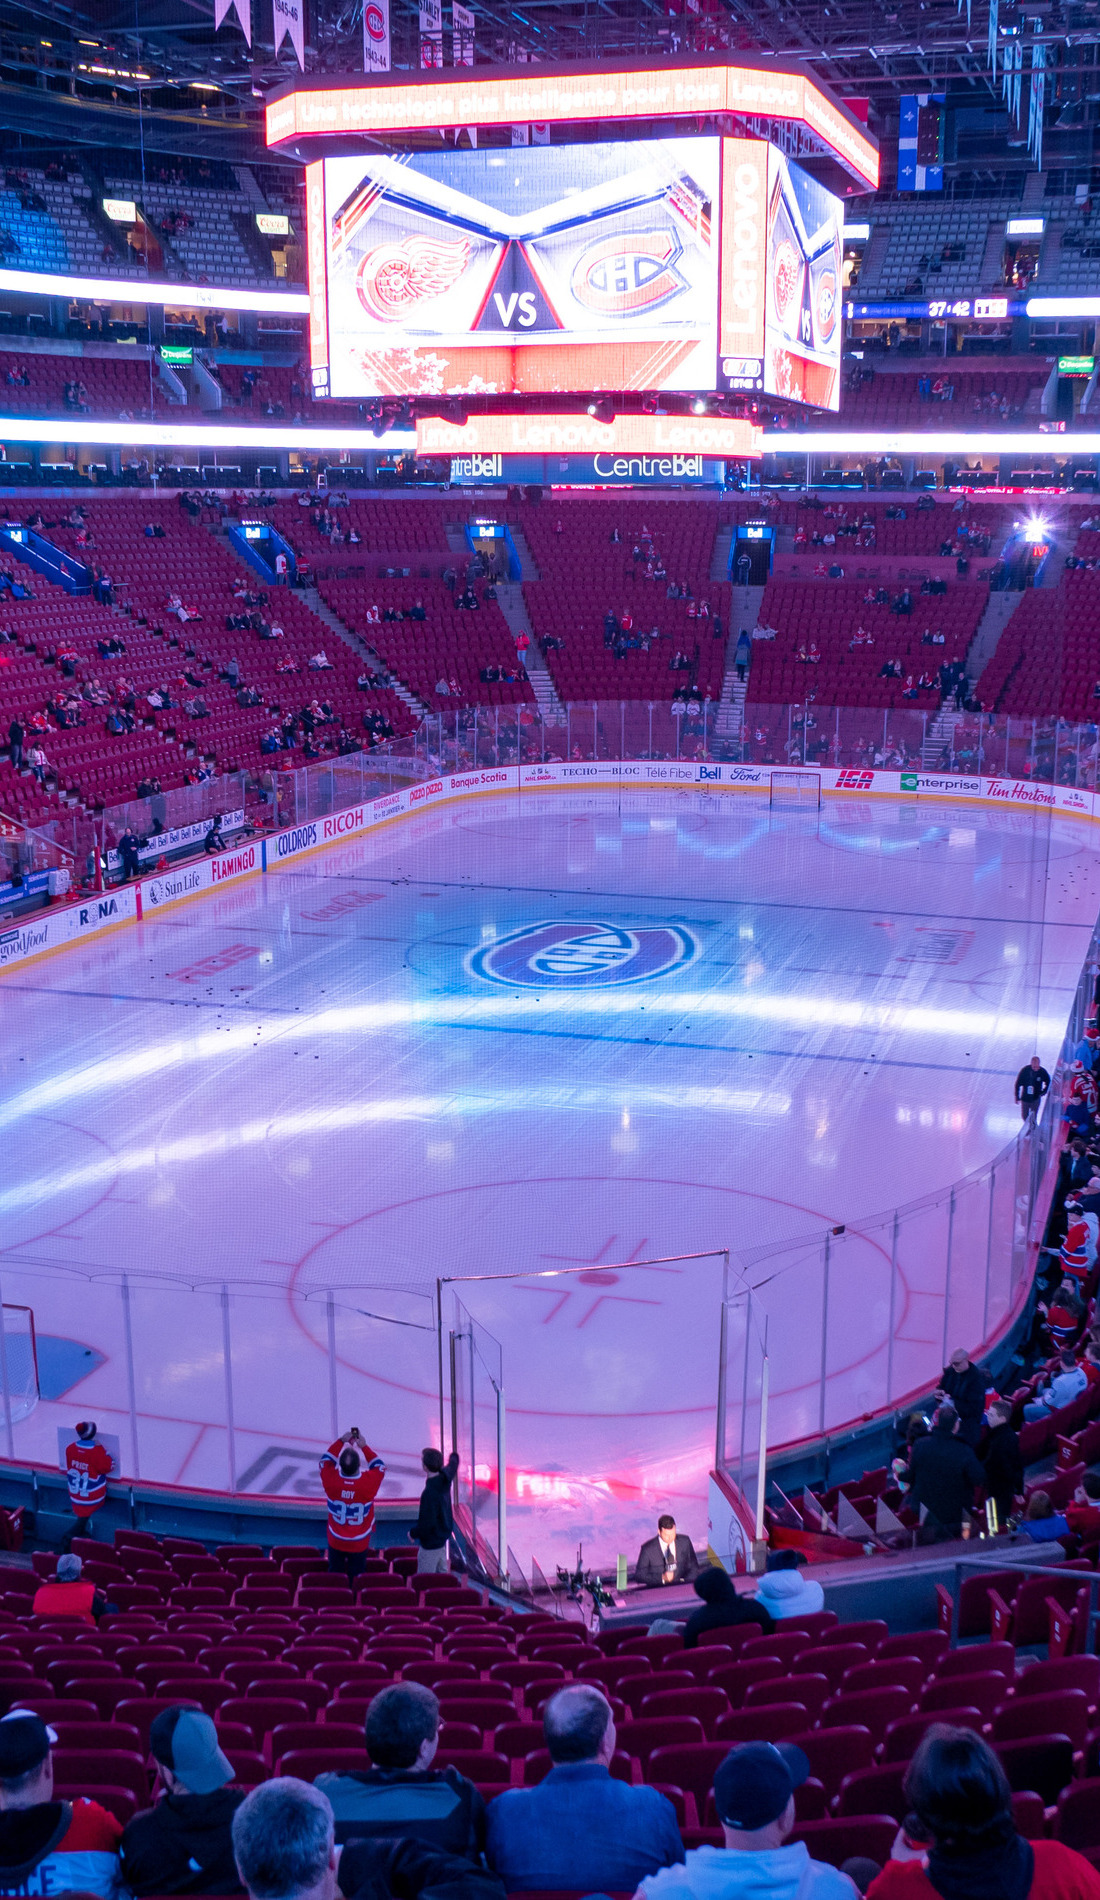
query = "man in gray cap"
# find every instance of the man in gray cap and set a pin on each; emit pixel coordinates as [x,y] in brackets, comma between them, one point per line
[185,1843]
[68,1595]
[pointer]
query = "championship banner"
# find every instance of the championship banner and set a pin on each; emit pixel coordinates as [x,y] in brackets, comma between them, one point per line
[243,11]
[462,35]
[376,36]
[431,33]
[289,21]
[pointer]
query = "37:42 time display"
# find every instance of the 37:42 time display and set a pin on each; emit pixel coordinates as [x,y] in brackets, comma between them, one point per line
[990,307]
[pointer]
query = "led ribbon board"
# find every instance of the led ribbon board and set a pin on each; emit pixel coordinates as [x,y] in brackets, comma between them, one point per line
[135,290]
[583,435]
[571,95]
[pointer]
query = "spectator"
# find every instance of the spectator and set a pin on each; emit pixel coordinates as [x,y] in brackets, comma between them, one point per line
[1041,1522]
[49,1846]
[964,1384]
[1065,1315]
[435,1520]
[284,1847]
[1067,1383]
[581,1828]
[1083,1515]
[67,1595]
[742,655]
[86,1469]
[943,1471]
[754,1792]
[722,1608]
[17,732]
[1032,1084]
[1078,1248]
[185,1843]
[962,1805]
[784,1592]
[1000,1455]
[351,1475]
[401,1792]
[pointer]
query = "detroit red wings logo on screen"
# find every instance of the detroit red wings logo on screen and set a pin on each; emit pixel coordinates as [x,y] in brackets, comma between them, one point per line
[628,272]
[395,277]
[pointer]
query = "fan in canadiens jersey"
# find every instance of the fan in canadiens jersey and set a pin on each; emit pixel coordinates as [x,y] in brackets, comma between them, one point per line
[352,1475]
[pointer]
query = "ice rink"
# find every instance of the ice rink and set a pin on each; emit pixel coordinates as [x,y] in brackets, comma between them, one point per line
[512,1035]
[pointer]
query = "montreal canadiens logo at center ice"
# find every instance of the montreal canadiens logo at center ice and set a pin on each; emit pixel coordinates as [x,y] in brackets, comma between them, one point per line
[582,956]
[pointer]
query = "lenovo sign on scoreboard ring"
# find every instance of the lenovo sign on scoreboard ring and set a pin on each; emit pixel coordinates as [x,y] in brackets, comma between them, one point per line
[635,265]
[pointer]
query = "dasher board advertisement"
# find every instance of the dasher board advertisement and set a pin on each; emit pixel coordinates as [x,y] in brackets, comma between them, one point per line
[537,270]
[803,291]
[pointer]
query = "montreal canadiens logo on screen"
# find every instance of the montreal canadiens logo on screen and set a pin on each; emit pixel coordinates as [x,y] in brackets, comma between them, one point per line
[374,22]
[580,956]
[395,277]
[626,273]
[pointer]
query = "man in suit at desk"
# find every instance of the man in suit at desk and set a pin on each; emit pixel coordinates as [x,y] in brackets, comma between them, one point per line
[666,1558]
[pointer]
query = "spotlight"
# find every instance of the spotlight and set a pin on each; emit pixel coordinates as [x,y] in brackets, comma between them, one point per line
[1035,531]
[699,406]
[602,410]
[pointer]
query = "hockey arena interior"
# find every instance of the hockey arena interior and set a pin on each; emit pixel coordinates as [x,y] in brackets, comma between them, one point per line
[550,950]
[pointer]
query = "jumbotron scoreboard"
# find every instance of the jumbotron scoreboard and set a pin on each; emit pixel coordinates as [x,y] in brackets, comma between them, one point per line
[692,251]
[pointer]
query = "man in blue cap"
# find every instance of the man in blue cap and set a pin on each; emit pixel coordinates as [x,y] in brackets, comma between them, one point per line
[754,1795]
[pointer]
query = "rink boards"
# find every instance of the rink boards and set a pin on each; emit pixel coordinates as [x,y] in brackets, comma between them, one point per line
[53,930]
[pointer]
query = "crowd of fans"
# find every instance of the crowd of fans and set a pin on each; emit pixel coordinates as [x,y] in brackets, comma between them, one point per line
[401,1827]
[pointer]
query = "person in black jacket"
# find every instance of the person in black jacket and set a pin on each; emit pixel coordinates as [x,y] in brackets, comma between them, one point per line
[401,1792]
[722,1608]
[185,1843]
[1000,1454]
[667,1558]
[435,1521]
[283,1841]
[1032,1084]
[964,1384]
[943,1471]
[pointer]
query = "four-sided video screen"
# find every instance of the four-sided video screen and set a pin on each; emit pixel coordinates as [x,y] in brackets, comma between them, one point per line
[578,268]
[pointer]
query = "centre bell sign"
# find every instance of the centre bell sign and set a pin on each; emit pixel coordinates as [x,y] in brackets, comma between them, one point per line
[585,471]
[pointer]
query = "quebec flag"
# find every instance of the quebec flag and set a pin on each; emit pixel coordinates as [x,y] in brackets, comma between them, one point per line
[920,141]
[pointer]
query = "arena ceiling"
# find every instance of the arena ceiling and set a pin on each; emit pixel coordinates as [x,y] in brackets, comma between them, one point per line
[202,92]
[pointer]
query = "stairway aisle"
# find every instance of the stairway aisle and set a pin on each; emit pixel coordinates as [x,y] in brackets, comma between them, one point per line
[998,611]
[361,648]
[744,612]
[514,608]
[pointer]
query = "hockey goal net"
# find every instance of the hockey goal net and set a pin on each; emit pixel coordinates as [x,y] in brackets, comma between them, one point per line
[800,790]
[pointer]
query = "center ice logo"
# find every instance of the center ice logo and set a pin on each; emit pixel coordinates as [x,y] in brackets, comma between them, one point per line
[576,956]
